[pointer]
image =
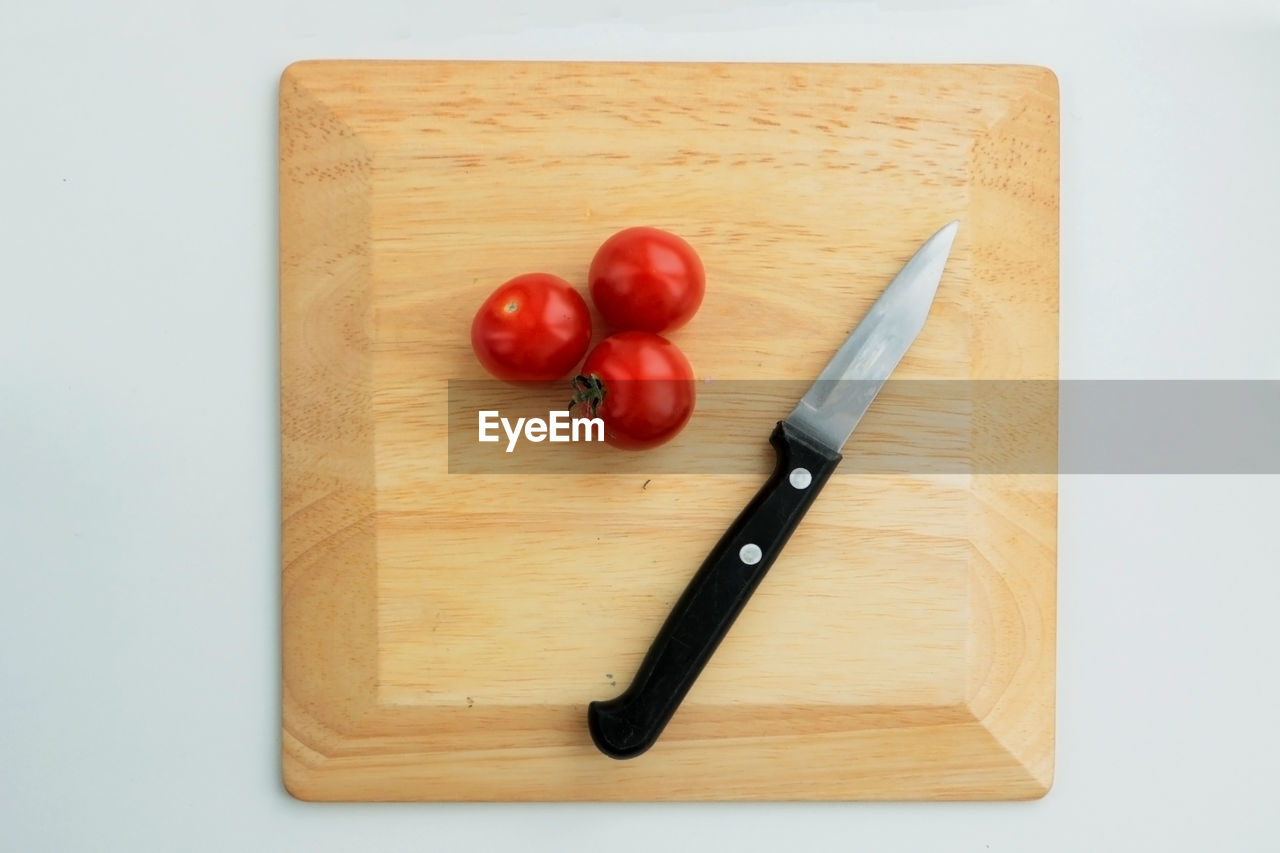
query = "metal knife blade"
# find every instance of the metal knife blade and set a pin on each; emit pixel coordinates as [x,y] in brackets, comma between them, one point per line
[832,407]
[807,443]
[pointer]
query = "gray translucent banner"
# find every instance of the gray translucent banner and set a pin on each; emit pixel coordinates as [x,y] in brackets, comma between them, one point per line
[913,427]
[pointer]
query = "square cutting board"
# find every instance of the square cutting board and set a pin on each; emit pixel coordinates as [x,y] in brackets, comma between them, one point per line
[444,632]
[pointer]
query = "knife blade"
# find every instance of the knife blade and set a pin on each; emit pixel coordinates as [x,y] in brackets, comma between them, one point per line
[807,444]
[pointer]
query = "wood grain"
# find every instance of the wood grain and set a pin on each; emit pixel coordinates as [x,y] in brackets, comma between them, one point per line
[443,633]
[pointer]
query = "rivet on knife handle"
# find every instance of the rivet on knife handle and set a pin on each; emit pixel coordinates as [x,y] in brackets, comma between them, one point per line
[628,725]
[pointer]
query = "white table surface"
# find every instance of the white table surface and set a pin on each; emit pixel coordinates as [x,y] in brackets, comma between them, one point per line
[139,651]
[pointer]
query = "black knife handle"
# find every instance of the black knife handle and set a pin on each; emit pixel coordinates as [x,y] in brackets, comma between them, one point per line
[626,726]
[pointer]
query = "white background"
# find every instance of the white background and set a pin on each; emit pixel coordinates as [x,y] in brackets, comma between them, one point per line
[139,467]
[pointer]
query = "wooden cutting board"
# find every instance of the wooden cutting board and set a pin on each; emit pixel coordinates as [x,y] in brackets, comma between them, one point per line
[443,632]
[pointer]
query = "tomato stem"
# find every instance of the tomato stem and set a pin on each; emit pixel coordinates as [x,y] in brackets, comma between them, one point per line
[589,390]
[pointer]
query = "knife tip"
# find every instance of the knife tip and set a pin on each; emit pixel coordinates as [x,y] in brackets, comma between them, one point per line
[946,235]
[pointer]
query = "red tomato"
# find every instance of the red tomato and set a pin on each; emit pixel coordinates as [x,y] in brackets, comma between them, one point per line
[640,385]
[534,328]
[646,279]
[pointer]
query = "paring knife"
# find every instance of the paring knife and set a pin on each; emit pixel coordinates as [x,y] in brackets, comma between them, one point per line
[807,443]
